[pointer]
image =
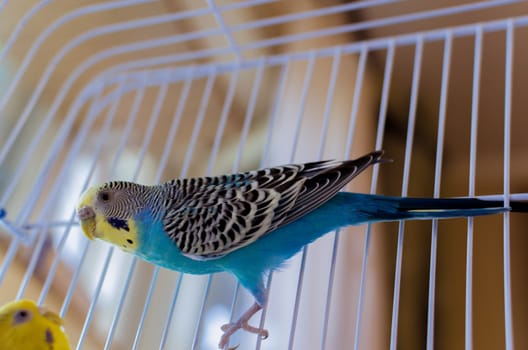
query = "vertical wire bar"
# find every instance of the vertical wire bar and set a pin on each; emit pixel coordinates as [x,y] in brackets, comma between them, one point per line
[73,282]
[146,306]
[405,185]
[356,99]
[199,121]
[264,161]
[508,317]
[9,256]
[95,298]
[154,117]
[384,106]
[166,327]
[198,327]
[328,107]
[174,127]
[121,302]
[263,315]
[382,117]
[302,103]
[232,308]
[336,61]
[249,115]
[274,109]
[37,251]
[223,120]
[477,59]
[446,65]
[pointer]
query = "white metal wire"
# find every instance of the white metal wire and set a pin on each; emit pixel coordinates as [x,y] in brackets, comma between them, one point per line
[471,191]
[508,322]
[295,139]
[105,90]
[336,60]
[446,63]
[405,185]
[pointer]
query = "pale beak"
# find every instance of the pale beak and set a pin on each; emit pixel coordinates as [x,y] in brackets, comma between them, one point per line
[87,216]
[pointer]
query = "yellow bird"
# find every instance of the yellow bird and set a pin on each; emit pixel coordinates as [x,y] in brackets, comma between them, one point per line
[24,325]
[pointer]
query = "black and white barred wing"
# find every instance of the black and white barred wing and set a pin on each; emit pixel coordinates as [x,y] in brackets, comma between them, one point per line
[213,216]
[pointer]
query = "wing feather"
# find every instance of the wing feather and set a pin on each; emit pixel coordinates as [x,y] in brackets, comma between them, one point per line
[212,216]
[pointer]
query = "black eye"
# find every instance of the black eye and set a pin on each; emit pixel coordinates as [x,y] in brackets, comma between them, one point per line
[104,196]
[21,316]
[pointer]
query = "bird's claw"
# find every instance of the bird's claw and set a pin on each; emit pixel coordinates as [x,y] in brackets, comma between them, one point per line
[231,328]
[242,323]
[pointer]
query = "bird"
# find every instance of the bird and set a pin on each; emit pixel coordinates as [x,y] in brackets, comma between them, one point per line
[250,223]
[24,325]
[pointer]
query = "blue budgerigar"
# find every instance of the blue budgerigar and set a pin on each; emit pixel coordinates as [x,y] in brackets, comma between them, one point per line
[249,223]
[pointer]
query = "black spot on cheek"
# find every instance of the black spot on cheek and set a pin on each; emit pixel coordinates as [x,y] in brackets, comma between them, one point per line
[49,336]
[130,241]
[119,224]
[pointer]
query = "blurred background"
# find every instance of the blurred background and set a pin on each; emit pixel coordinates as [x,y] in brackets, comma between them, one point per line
[148,91]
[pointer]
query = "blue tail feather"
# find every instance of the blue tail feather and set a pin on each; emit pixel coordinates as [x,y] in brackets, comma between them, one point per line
[384,208]
[346,209]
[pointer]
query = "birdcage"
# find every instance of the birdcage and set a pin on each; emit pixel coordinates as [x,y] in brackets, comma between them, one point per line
[147,91]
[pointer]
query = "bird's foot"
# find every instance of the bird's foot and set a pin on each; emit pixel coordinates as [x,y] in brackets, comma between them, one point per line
[242,323]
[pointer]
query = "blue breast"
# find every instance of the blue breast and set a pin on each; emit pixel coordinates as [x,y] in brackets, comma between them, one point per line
[156,247]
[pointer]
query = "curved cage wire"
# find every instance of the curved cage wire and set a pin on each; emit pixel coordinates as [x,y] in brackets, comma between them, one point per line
[147,91]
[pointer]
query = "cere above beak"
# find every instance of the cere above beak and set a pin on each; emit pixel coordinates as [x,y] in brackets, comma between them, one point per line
[87,217]
[50,315]
[86,213]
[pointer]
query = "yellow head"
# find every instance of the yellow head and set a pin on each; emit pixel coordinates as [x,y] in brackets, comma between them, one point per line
[24,325]
[107,212]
